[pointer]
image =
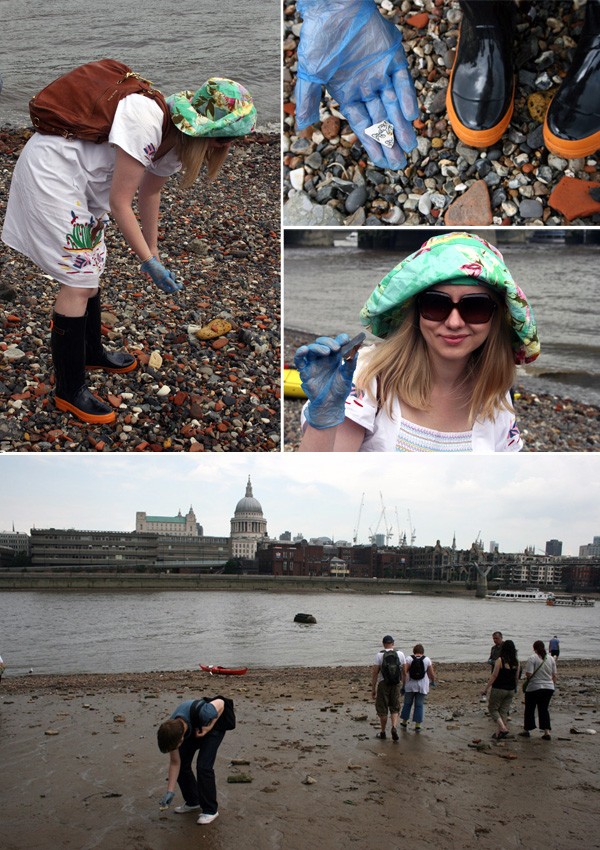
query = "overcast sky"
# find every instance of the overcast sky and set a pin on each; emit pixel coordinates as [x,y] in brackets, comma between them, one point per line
[518,500]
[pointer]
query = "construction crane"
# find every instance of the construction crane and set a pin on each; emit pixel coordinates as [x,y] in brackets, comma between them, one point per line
[413,533]
[401,535]
[388,528]
[355,536]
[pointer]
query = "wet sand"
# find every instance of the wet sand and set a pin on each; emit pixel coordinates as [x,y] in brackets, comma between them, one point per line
[306,738]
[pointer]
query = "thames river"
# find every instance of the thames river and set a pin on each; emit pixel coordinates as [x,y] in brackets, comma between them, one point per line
[120,631]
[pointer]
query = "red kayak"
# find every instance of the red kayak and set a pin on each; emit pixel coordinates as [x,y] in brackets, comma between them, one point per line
[223,671]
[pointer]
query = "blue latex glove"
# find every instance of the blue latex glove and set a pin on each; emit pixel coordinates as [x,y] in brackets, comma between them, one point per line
[161,276]
[326,379]
[348,46]
[167,799]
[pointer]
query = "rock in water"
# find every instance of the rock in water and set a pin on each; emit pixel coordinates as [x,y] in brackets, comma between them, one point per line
[305,618]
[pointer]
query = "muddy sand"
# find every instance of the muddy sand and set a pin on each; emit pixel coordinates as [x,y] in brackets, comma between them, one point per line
[81,768]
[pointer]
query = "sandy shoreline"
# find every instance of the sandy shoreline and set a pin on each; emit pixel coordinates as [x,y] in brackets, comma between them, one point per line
[306,738]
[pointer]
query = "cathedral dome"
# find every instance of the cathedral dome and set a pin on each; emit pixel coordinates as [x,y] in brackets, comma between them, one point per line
[248,505]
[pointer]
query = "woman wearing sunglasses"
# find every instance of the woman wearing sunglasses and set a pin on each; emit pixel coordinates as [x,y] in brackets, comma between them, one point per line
[454,325]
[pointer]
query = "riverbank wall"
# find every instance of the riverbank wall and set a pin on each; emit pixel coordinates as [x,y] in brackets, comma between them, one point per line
[66,581]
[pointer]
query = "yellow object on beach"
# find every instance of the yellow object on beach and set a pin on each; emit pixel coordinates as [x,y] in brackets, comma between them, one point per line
[214,329]
[291,384]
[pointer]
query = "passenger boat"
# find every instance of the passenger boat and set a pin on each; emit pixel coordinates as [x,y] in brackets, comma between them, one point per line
[223,671]
[571,601]
[529,594]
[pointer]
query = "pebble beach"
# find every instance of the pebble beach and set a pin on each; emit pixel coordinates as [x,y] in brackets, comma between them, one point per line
[302,767]
[221,239]
[547,423]
[329,181]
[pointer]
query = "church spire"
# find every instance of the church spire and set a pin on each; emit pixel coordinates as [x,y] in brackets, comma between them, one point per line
[249,488]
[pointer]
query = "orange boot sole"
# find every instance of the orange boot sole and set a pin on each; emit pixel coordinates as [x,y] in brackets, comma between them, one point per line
[111,371]
[570,149]
[67,407]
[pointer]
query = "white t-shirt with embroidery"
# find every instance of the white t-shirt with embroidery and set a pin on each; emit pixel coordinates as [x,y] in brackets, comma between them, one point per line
[59,195]
[385,433]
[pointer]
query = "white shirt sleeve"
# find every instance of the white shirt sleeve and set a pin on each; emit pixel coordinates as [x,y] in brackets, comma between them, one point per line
[137,129]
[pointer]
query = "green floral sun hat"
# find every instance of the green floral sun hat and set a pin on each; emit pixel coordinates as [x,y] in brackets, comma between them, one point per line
[220,108]
[452,258]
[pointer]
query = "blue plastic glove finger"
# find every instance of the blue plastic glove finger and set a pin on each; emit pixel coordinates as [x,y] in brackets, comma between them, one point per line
[406,94]
[321,347]
[308,100]
[403,129]
[359,119]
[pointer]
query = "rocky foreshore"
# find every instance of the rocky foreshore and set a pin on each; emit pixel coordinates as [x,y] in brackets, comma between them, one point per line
[547,423]
[329,181]
[221,239]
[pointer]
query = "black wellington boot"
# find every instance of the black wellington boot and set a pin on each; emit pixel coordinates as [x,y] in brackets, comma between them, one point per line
[68,354]
[480,95]
[96,356]
[572,124]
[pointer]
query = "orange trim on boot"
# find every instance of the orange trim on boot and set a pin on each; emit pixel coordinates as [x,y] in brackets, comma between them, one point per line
[67,407]
[570,148]
[115,371]
[477,138]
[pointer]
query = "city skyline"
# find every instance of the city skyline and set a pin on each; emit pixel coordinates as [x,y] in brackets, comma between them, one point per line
[518,501]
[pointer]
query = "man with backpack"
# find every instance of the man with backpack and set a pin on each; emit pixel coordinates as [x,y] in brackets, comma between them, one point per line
[195,726]
[419,673]
[386,680]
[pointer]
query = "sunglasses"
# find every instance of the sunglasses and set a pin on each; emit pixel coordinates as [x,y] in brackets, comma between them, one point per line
[475,309]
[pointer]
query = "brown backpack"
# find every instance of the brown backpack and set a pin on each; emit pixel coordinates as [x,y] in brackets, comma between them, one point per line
[82,103]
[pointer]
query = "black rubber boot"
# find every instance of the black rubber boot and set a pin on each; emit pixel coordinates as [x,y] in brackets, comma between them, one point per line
[68,354]
[480,95]
[96,356]
[572,125]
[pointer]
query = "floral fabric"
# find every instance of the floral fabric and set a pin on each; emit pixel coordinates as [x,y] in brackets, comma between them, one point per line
[220,108]
[452,258]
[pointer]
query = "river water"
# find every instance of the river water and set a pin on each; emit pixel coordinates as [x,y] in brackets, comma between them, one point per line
[326,287]
[176,45]
[101,632]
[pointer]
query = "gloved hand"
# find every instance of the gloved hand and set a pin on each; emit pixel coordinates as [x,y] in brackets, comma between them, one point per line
[326,379]
[161,276]
[348,46]
[167,799]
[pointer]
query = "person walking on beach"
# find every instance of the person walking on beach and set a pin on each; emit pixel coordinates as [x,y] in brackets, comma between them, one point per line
[495,650]
[419,673]
[63,189]
[540,671]
[194,726]
[454,324]
[387,678]
[502,685]
[554,647]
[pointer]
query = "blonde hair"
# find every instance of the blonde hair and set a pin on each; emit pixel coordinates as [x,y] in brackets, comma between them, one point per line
[195,152]
[400,368]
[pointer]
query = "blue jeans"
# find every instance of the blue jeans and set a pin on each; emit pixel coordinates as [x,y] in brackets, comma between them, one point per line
[200,790]
[418,699]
